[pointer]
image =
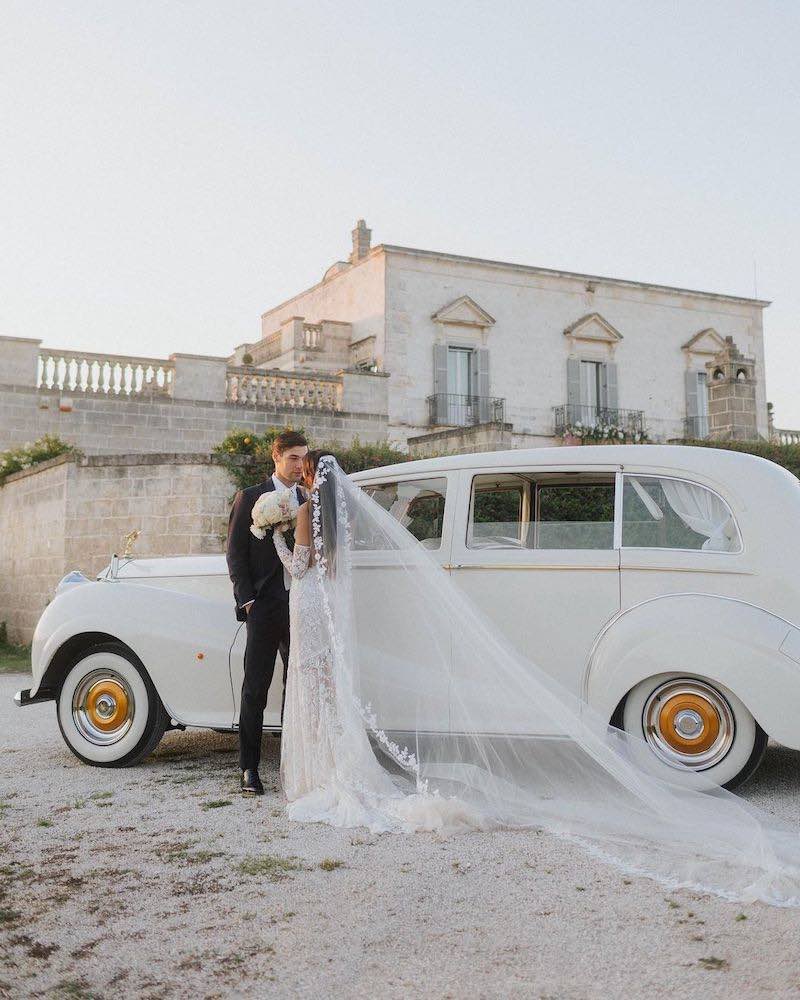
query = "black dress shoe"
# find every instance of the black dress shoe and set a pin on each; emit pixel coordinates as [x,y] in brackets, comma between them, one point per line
[251,782]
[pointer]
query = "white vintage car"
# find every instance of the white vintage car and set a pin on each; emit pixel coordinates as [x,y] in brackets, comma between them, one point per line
[660,583]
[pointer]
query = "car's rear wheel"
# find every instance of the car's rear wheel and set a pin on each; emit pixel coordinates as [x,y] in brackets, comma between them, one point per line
[692,724]
[108,710]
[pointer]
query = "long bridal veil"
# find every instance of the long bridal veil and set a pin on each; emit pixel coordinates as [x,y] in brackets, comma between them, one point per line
[459,719]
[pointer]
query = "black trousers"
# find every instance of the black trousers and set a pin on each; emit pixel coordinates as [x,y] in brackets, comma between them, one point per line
[267,635]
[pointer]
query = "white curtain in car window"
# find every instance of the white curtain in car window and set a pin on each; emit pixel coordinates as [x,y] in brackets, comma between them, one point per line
[703,512]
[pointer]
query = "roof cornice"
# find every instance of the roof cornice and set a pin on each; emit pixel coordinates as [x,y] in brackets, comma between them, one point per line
[554,273]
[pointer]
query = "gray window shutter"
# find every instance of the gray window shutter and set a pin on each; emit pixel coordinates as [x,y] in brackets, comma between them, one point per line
[609,386]
[480,370]
[573,389]
[692,409]
[440,369]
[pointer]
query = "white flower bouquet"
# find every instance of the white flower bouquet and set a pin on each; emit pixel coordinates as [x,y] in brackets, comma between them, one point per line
[274,509]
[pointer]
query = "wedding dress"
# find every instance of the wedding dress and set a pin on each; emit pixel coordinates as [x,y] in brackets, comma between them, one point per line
[407,709]
[328,770]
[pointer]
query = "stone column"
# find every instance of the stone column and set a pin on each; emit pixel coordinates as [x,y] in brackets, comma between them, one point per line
[198,376]
[19,360]
[365,392]
[732,395]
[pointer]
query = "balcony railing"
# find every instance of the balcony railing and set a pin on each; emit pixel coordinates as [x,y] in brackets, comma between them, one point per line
[695,428]
[283,389]
[104,374]
[786,437]
[572,414]
[453,410]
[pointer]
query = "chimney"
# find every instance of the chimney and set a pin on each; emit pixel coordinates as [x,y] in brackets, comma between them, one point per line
[361,242]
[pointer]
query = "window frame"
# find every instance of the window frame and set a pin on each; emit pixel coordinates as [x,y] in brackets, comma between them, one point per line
[618,522]
[451,484]
[530,503]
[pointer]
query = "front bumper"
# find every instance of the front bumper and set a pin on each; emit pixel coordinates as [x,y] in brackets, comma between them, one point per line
[23,698]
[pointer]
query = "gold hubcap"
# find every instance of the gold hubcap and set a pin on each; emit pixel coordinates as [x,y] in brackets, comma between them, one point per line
[103,706]
[107,705]
[689,723]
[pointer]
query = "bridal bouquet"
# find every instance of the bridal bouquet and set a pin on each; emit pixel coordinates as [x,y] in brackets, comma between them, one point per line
[278,507]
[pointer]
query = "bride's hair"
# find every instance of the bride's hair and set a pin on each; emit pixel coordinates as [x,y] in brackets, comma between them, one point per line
[323,499]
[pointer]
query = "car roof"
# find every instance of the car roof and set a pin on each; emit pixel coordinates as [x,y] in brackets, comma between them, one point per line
[716,463]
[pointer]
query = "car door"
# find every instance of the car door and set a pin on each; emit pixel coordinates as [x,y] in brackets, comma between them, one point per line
[534,548]
[394,645]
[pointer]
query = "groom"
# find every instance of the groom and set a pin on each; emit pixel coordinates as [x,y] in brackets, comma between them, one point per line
[261,590]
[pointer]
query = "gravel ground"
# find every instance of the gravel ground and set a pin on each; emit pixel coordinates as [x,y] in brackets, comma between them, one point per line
[163,881]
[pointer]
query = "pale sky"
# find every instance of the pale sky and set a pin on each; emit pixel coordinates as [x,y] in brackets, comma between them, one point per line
[169,170]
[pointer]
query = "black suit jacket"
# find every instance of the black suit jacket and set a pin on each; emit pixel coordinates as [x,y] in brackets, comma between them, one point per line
[253,563]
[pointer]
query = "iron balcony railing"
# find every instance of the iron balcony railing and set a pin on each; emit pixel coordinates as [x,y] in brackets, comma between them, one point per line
[571,414]
[447,409]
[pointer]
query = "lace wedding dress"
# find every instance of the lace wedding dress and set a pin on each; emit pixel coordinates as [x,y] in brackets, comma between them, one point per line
[328,770]
[408,709]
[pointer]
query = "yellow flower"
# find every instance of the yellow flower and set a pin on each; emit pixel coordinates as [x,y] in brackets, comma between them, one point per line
[247,440]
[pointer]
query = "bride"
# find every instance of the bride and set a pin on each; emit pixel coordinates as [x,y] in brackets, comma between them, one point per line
[349,680]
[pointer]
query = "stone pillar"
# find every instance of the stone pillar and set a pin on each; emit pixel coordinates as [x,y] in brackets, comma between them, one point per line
[19,361]
[198,376]
[365,392]
[732,410]
[362,239]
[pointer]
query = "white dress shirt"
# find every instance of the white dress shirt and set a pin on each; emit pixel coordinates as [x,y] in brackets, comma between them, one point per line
[280,485]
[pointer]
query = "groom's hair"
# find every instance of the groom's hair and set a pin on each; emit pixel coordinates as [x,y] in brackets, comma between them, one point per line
[286,440]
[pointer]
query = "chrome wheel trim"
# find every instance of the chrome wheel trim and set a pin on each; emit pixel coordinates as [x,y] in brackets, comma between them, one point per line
[103,707]
[688,723]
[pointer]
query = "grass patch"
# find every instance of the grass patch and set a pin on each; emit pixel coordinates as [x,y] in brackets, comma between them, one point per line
[13,659]
[270,866]
[216,804]
[44,822]
[101,795]
[712,962]
[330,864]
[8,916]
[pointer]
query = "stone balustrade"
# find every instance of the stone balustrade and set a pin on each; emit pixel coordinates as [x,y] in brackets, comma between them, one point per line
[108,374]
[298,390]
[784,436]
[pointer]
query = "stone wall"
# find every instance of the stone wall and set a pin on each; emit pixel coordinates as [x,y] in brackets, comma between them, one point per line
[73,513]
[101,424]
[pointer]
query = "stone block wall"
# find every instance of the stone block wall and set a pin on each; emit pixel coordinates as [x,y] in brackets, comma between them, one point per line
[101,424]
[73,514]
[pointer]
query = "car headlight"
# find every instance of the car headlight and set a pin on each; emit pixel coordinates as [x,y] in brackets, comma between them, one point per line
[70,580]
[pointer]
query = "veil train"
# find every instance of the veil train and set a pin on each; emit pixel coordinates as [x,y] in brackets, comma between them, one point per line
[452,712]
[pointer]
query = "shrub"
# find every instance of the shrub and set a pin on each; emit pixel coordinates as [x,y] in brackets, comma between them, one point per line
[16,459]
[248,456]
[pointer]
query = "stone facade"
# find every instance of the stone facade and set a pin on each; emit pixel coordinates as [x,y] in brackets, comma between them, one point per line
[106,405]
[73,513]
[528,332]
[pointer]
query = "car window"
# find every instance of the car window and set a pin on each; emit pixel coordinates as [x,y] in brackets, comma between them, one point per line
[579,516]
[418,505]
[497,515]
[664,513]
[543,513]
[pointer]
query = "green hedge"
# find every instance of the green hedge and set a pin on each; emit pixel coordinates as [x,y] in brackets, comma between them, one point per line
[16,459]
[248,456]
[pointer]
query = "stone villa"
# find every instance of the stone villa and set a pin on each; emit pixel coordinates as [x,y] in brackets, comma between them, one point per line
[485,354]
[434,351]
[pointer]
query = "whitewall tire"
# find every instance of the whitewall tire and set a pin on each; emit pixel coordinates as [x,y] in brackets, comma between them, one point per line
[108,710]
[689,723]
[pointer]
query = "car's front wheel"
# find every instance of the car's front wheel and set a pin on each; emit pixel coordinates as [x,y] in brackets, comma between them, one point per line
[108,710]
[692,724]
